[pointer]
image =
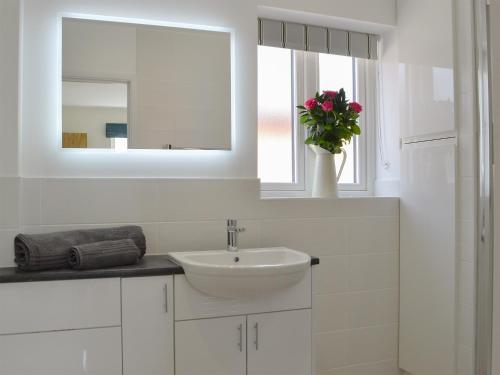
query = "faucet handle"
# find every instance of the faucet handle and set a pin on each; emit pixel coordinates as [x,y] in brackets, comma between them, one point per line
[232,225]
[232,234]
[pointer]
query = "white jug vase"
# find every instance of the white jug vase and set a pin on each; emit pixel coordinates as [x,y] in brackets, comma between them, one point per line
[325,173]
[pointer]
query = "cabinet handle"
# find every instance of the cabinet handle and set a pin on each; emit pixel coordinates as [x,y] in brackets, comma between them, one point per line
[165,288]
[256,342]
[240,344]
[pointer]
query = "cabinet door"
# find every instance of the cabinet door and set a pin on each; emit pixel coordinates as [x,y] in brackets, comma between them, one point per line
[147,325]
[211,346]
[77,352]
[280,343]
[59,305]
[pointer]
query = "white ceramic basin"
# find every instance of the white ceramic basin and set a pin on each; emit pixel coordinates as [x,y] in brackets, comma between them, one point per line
[244,273]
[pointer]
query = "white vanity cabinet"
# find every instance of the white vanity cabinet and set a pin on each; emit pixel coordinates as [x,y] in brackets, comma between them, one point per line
[94,351]
[266,335]
[211,346]
[279,343]
[147,325]
[60,328]
[151,325]
[267,344]
[91,326]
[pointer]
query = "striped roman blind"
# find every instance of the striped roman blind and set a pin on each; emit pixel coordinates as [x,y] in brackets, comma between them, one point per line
[275,33]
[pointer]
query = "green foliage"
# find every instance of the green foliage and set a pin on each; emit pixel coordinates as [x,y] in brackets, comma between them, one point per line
[329,129]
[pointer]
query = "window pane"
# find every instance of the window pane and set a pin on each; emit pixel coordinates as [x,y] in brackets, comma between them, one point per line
[337,72]
[275,105]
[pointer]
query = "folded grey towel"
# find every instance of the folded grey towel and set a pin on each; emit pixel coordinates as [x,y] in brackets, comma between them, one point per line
[35,252]
[104,254]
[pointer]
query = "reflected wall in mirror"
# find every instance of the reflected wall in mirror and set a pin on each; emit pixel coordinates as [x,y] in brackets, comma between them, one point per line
[144,87]
[90,109]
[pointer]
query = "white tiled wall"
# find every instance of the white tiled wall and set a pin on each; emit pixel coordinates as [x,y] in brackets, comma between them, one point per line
[355,286]
[356,297]
[9,89]
[355,302]
[9,217]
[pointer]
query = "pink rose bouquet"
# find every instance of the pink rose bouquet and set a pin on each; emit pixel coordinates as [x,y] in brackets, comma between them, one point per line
[311,104]
[330,119]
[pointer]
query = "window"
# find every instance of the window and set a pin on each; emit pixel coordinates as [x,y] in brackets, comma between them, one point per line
[275,103]
[285,79]
[335,72]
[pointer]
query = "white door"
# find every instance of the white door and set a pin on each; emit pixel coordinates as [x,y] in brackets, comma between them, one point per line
[211,346]
[77,352]
[280,343]
[147,325]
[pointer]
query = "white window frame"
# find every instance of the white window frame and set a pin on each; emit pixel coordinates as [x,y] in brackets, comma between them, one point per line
[305,83]
[298,133]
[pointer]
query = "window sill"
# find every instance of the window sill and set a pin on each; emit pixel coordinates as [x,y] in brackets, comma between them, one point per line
[301,194]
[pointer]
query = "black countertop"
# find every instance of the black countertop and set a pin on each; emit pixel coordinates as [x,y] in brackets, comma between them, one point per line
[151,265]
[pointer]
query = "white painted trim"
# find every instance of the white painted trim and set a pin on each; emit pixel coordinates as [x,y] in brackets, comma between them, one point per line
[361,95]
[291,194]
[371,103]
[299,162]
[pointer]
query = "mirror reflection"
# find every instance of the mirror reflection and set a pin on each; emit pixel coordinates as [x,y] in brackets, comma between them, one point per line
[130,86]
[94,114]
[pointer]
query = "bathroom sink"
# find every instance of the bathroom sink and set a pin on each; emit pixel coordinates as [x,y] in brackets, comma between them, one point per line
[243,273]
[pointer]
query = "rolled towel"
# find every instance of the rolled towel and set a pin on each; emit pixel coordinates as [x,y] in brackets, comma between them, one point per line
[36,252]
[104,254]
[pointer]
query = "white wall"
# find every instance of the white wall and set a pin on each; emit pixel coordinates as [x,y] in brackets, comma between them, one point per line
[175,97]
[426,73]
[92,120]
[9,81]
[371,11]
[415,88]
[387,150]
[9,127]
[356,286]
[93,49]
[41,69]
[94,94]
[182,99]
[41,156]
[437,82]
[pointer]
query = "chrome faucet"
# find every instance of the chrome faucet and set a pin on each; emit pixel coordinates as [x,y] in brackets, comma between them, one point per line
[232,234]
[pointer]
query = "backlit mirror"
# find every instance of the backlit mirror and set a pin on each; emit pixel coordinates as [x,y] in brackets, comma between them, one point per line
[131,86]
